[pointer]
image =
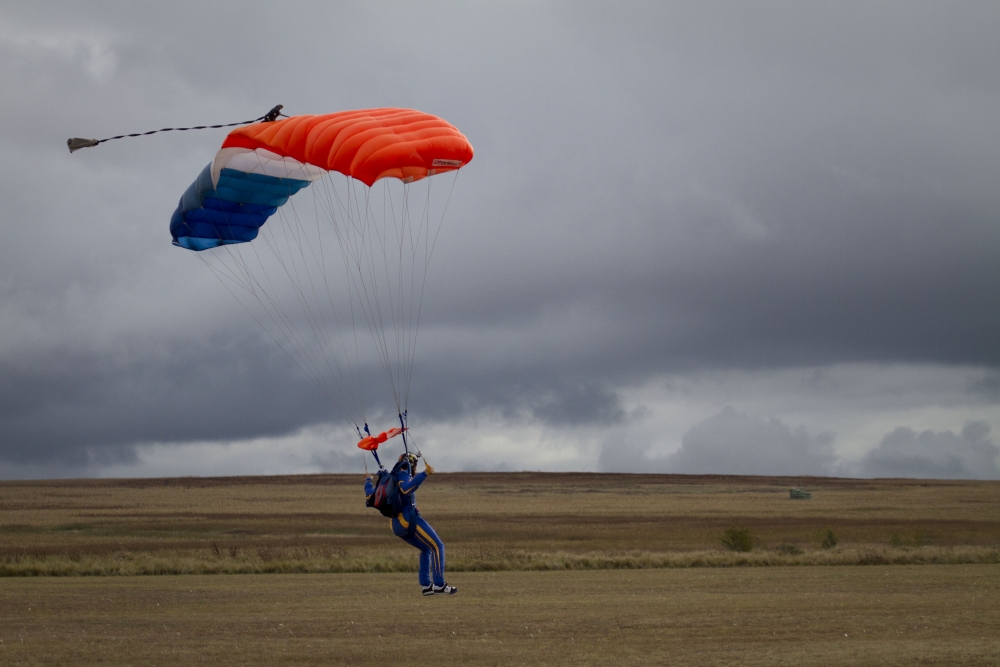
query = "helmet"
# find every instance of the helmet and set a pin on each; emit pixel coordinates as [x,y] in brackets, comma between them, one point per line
[408,461]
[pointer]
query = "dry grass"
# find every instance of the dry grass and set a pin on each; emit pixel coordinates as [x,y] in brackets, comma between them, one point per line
[490,522]
[886,616]
[299,560]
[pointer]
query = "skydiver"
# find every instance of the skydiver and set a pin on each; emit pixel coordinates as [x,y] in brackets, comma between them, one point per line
[413,529]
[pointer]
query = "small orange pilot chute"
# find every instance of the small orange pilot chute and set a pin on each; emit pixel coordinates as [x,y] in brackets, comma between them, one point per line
[371,442]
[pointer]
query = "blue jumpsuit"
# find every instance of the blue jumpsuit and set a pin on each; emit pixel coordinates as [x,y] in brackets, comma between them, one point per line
[413,529]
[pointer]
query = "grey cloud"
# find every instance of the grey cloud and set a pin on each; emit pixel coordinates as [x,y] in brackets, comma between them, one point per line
[493,466]
[738,444]
[579,403]
[730,443]
[987,385]
[627,455]
[971,454]
[342,461]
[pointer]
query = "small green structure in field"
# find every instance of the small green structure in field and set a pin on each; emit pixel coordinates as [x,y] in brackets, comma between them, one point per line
[799,494]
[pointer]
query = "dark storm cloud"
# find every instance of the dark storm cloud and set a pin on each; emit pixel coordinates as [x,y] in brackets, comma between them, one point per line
[517,395]
[971,454]
[657,188]
[68,407]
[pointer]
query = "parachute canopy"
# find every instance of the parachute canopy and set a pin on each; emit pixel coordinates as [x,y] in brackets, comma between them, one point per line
[336,276]
[260,166]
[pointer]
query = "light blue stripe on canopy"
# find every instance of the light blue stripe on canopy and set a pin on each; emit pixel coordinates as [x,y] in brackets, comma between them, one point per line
[233,211]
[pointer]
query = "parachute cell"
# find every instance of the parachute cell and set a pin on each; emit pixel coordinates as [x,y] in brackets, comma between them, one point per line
[230,208]
[366,145]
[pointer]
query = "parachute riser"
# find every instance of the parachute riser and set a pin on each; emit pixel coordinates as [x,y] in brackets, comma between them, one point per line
[373,451]
[402,425]
[403,421]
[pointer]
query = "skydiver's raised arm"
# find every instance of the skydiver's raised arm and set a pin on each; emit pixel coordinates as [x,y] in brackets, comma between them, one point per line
[410,485]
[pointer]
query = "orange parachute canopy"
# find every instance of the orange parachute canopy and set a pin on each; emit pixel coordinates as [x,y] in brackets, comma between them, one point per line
[372,442]
[367,144]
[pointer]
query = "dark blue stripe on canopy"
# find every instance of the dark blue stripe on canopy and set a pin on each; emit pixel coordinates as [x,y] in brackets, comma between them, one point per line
[232,211]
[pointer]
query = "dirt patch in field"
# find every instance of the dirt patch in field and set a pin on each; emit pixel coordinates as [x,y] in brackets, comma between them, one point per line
[884,616]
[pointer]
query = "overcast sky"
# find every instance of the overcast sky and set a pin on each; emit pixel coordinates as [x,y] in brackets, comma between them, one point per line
[696,237]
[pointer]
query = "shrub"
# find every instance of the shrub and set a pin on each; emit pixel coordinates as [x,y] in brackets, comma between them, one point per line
[872,557]
[829,540]
[788,550]
[737,539]
[919,539]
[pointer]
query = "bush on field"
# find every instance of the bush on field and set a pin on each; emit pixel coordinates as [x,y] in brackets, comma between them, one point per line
[737,538]
[829,540]
[919,539]
[788,550]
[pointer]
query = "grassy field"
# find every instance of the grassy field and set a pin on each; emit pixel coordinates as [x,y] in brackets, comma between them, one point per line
[553,569]
[879,615]
[489,522]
